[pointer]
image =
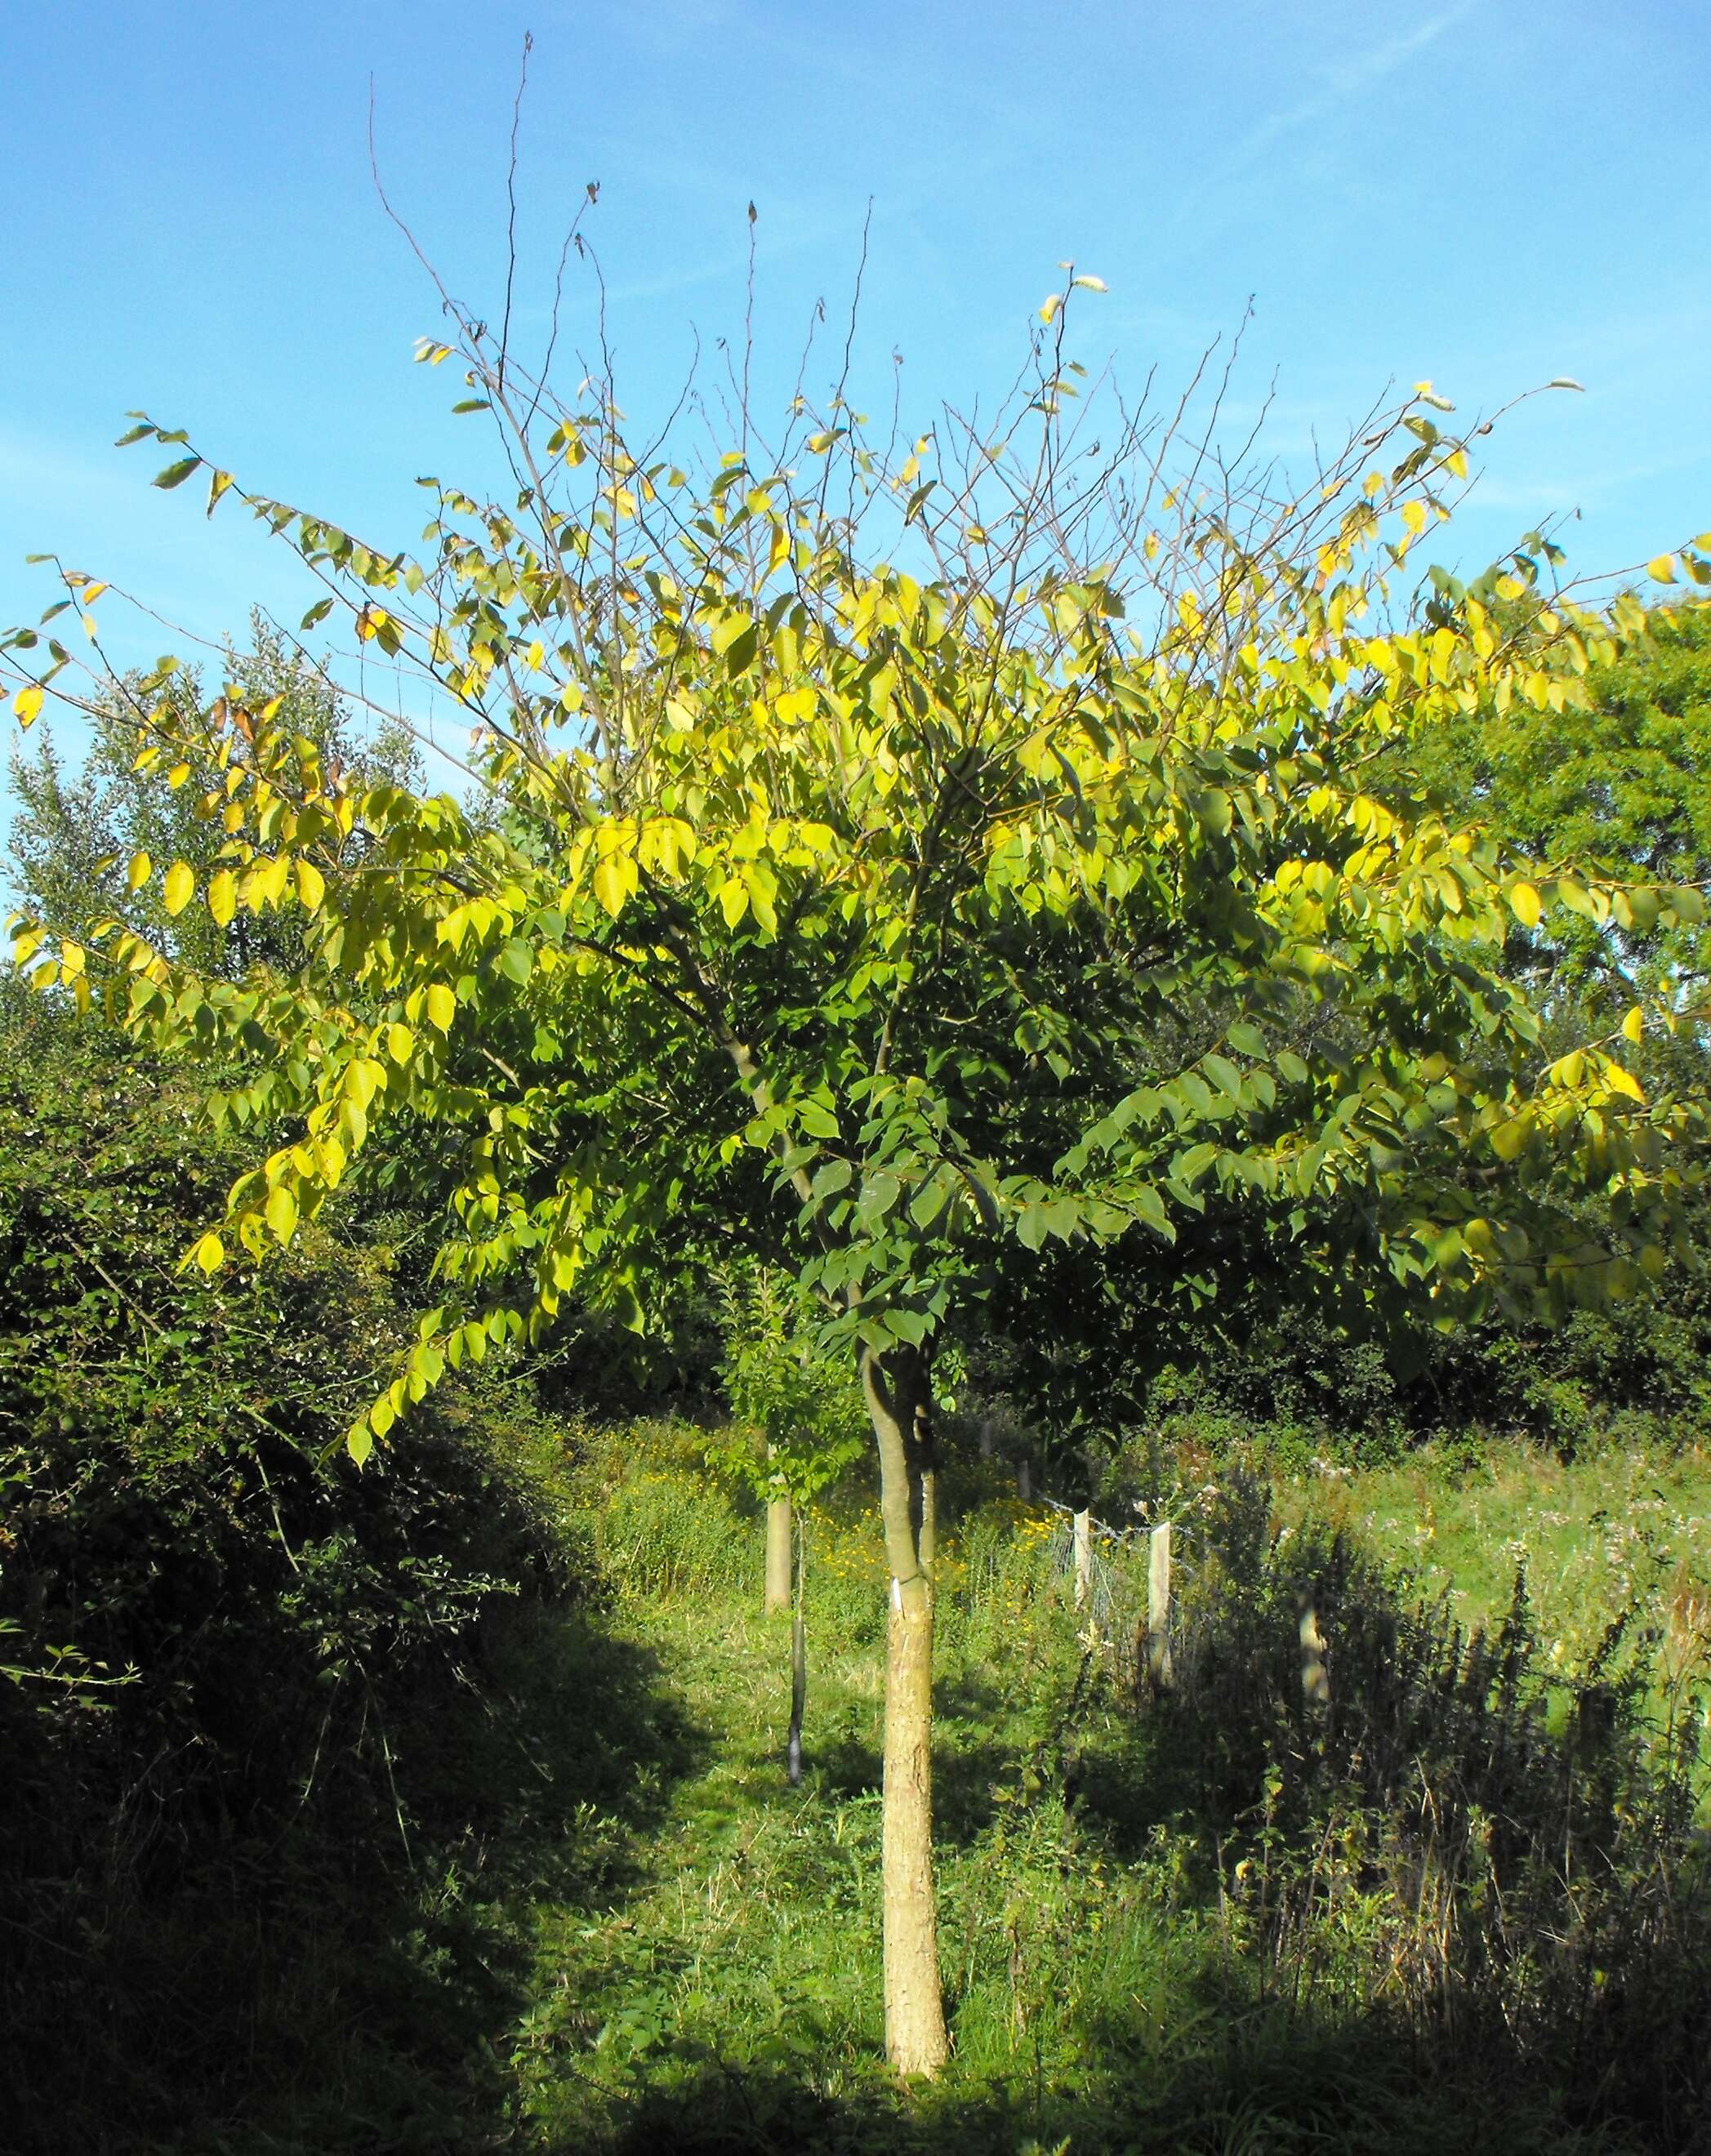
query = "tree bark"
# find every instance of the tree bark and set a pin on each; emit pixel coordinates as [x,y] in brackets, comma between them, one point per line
[916,2039]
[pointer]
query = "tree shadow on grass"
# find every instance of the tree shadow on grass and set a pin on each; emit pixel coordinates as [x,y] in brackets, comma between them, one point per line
[1253,2087]
[348,1982]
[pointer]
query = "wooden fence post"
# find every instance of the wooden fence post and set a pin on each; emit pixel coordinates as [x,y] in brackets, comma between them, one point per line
[1315,1675]
[1159,1668]
[1083,1533]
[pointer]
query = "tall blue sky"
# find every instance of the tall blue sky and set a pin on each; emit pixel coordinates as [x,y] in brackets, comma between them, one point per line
[1487,195]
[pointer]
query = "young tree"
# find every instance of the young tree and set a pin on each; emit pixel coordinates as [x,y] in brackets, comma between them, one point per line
[804,1408]
[897,863]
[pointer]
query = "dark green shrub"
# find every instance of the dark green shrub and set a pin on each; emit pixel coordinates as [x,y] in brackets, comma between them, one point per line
[219,1639]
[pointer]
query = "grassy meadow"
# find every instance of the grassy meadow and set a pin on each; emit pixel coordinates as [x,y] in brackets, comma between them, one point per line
[1461,1905]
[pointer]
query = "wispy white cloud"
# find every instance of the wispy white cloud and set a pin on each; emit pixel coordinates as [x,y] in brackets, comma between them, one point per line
[1341,81]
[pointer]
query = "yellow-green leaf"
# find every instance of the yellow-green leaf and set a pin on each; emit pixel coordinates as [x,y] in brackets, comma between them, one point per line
[1661,569]
[1634,1025]
[1509,1139]
[399,1041]
[311,885]
[210,1253]
[614,880]
[1524,903]
[222,895]
[138,874]
[441,1005]
[281,1212]
[761,884]
[181,887]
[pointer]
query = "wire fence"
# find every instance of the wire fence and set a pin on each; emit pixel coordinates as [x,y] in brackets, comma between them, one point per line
[1134,1590]
[1127,1583]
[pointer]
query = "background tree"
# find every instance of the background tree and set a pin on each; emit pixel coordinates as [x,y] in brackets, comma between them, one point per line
[1619,782]
[906,861]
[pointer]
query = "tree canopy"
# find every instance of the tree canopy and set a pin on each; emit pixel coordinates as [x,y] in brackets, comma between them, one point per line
[901,862]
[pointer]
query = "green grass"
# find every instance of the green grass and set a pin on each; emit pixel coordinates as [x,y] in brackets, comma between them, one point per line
[620,1930]
[1620,1536]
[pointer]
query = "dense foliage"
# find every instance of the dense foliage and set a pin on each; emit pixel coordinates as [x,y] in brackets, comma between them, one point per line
[213,1634]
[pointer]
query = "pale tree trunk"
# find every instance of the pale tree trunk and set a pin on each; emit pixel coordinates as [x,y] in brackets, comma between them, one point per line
[897,1404]
[778,1555]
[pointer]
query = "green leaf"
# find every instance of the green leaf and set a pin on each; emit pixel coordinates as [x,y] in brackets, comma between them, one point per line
[834,1176]
[1223,1074]
[175,474]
